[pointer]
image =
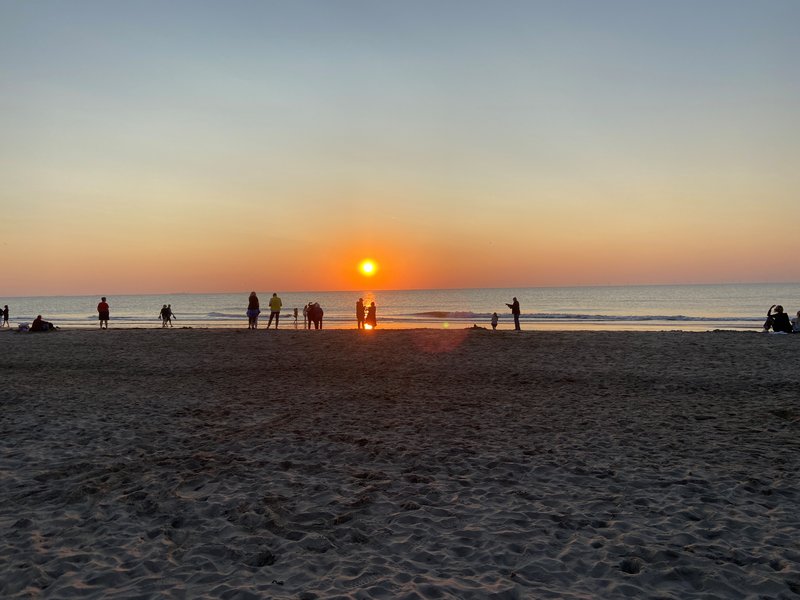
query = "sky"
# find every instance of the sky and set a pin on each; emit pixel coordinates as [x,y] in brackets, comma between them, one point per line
[194,146]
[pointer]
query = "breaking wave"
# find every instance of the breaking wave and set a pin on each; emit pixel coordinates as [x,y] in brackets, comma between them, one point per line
[466,316]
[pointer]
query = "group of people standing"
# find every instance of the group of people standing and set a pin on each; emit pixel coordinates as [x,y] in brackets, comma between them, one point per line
[366,317]
[253,310]
[780,322]
[312,312]
[167,315]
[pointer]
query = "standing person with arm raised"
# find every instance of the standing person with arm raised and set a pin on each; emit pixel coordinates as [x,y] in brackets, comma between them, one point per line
[514,306]
[780,320]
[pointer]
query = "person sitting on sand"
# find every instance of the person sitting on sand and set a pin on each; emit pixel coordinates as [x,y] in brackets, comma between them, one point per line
[779,320]
[495,318]
[796,323]
[252,311]
[41,325]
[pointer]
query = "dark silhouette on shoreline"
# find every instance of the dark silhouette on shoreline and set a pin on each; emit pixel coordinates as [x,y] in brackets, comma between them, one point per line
[360,313]
[315,314]
[514,306]
[253,311]
[103,312]
[372,316]
[778,321]
[275,305]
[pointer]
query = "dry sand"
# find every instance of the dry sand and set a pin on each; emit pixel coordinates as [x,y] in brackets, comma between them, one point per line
[399,464]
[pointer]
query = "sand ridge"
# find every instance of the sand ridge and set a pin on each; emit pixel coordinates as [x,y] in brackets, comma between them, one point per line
[399,464]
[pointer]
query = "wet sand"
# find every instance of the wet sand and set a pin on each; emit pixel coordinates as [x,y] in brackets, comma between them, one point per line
[399,464]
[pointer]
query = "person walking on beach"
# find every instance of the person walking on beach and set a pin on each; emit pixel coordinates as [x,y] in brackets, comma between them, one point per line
[252,311]
[5,316]
[103,312]
[495,318]
[306,322]
[295,318]
[163,314]
[372,317]
[514,306]
[360,313]
[274,309]
[170,315]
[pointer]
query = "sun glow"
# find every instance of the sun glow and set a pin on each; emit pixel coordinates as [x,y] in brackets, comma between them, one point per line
[368,268]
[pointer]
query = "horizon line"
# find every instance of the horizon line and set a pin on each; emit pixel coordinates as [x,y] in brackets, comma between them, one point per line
[536,287]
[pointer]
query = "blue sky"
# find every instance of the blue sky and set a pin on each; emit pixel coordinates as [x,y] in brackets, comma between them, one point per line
[427,133]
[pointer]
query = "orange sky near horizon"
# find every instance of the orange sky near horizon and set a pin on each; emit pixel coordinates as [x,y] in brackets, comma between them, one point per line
[177,148]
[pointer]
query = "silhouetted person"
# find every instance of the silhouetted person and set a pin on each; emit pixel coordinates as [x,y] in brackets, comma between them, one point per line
[306,320]
[103,313]
[360,313]
[495,318]
[274,309]
[164,317]
[295,318]
[514,306]
[40,324]
[170,315]
[796,323]
[253,311]
[372,316]
[5,316]
[779,320]
[315,313]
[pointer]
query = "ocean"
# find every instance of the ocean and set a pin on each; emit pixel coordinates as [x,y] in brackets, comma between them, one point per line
[641,307]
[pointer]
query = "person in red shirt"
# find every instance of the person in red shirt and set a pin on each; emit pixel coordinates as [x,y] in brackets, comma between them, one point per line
[102,312]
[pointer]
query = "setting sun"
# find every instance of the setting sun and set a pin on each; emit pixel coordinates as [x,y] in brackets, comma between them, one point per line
[367,268]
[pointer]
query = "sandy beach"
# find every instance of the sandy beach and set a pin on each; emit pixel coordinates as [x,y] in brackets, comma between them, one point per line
[399,464]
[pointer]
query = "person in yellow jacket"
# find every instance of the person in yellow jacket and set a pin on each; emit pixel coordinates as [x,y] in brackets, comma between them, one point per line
[274,309]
